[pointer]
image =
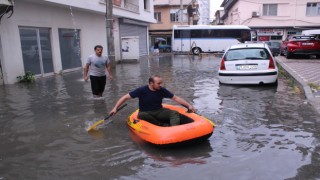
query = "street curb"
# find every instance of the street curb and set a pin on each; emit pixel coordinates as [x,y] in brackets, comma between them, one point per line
[302,85]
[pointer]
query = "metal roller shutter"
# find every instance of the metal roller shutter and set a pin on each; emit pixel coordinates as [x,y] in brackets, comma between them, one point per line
[134,30]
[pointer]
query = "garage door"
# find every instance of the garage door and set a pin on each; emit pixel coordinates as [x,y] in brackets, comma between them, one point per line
[134,30]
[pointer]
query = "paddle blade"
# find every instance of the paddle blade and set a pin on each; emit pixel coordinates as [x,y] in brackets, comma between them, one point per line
[101,121]
[95,125]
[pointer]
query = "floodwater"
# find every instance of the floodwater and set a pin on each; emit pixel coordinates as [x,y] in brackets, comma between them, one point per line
[262,132]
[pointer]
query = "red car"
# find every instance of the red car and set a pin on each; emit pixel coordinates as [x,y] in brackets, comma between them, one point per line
[300,45]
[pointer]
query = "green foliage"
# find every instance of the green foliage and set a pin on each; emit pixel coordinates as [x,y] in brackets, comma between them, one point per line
[27,78]
[314,86]
[283,74]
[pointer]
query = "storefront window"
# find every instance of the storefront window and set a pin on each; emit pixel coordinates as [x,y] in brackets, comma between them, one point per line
[276,38]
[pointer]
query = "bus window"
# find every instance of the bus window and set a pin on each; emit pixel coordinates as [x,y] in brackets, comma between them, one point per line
[245,36]
[219,33]
[185,34]
[177,34]
[196,33]
[232,33]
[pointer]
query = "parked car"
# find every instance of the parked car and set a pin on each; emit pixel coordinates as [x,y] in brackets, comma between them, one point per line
[300,45]
[248,64]
[165,48]
[274,47]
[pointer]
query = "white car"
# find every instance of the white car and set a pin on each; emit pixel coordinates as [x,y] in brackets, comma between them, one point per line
[250,63]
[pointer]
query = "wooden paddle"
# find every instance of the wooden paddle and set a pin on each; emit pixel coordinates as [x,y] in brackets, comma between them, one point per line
[102,120]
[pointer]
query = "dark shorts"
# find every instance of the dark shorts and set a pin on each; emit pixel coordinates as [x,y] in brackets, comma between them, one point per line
[98,84]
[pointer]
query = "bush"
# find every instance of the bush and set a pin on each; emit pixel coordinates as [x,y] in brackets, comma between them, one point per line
[27,78]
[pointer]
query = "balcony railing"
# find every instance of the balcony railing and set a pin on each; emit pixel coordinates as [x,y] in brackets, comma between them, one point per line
[129,6]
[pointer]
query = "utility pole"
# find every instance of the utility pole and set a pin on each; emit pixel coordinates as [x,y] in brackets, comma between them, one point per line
[110,38]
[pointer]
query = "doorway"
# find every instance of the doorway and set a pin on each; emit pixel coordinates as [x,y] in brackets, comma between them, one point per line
[70,48]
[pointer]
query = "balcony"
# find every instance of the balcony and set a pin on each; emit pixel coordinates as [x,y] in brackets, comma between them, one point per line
[124,4]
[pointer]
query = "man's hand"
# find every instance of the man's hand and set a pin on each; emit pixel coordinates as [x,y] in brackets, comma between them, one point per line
[191,108]
[113,111]
[85,78]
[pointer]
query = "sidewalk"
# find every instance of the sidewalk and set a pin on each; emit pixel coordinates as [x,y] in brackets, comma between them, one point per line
[304,71]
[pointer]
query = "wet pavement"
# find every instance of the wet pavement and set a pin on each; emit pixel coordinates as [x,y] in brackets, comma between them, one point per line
[262,132]
[304,72]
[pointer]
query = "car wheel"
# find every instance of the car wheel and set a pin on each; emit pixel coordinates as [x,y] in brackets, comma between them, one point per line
[287,54]
[168,50]
[196,51]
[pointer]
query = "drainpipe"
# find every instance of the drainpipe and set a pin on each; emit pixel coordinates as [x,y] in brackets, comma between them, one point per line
[295,15]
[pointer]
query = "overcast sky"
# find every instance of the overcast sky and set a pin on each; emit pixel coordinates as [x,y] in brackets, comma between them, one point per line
[214,6]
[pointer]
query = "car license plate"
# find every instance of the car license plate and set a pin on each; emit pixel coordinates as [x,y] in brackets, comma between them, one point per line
[307,44]
[247,67]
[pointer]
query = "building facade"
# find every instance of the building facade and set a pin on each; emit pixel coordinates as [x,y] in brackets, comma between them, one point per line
[167,13]
[48,37]
[177,12]
[273,20]
[204,12]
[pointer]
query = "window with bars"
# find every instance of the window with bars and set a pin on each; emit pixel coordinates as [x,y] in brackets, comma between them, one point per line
[313,9]
[157,16]
[270,9]
[174,17]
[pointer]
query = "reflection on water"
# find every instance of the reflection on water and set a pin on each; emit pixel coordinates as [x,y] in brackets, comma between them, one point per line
[262,132]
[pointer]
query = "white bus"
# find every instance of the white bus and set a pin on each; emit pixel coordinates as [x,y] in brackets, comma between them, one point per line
[208,38]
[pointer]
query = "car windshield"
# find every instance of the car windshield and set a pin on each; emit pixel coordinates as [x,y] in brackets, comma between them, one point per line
[247,54]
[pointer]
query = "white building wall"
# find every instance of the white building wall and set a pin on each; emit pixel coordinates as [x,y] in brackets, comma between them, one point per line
[92,33]
[290,13]
[88,16]
[204,10]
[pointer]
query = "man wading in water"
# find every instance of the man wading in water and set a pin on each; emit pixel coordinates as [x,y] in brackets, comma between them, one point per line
[98,65]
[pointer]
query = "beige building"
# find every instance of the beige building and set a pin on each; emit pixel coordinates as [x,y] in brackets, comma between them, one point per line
[167,13]
[273,20]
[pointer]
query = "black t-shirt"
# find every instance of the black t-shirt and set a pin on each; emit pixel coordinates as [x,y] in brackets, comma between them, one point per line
[150,100]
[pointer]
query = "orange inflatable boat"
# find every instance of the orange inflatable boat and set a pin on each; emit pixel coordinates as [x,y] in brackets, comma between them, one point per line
[192,128]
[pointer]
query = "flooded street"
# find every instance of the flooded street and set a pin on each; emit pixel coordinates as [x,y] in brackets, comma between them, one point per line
[262,132]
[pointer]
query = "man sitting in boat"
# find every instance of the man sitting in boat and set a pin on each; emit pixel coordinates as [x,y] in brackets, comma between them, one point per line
[150,103]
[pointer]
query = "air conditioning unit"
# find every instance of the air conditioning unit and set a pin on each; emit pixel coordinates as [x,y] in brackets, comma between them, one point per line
[255,14]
